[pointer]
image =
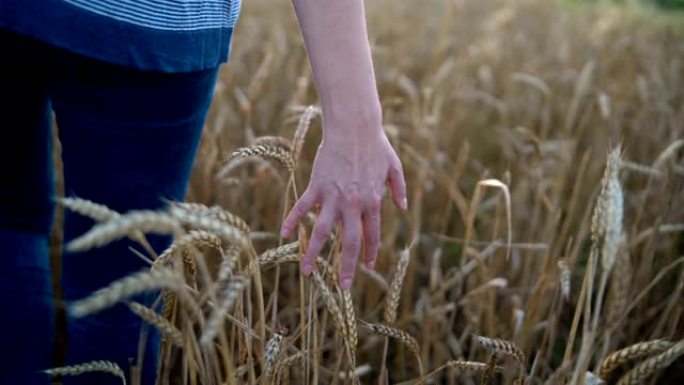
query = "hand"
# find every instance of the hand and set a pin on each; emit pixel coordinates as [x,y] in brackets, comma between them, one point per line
[348,178]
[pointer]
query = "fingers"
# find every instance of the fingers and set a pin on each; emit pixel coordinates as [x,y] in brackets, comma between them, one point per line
[371,235]
[397,184]
[305,203]
[351,245]
[319,235]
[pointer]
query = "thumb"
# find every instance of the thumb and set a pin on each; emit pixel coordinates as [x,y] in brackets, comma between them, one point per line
[305,203]
[397,185]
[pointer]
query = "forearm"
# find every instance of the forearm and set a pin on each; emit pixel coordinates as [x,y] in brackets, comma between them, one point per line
[336,40]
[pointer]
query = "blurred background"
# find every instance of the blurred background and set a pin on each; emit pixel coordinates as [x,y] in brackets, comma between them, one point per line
[533,93]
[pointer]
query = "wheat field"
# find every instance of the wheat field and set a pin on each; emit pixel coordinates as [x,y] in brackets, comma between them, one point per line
[543,146]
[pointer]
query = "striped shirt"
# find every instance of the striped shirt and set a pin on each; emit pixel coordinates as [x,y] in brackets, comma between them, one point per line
[157,35]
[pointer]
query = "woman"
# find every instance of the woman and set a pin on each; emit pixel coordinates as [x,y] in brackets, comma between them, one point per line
[130,83]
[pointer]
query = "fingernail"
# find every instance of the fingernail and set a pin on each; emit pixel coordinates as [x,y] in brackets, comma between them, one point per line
[283,232]
[346,283]
[404,203]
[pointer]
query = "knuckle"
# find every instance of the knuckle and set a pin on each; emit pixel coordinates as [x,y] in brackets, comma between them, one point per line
[320,233]
[354,245]
[353,199]
[352,195]
[374,206]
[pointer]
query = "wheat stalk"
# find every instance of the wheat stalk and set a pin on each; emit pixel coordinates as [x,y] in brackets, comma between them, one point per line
[165,327]
[630,353]
[647,368]
[88,367]
[124,288]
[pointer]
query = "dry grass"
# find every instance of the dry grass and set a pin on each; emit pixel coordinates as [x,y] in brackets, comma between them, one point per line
[573,114]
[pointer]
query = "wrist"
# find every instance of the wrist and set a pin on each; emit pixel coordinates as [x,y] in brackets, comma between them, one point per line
[351,118]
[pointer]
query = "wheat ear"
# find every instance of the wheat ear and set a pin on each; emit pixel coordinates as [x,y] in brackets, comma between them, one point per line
[302,129]
[272,351]
[144,220]
[231,293]
[331,304]
[630,353]
[392,302]
[277,141]
[399,335]
[88,367]
[165,327]
[350,321]
[504,347]
[647,368]
[215,212]
[124,288]
[267,152]
[565,275]
[490,368]
[192,238]
[96,211]
[226,232]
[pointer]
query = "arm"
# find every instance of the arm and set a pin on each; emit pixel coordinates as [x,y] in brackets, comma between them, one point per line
[355,158]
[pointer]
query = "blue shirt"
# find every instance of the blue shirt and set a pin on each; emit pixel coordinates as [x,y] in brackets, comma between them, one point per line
[156,35]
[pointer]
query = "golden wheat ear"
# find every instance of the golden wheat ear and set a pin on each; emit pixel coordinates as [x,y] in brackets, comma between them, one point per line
[397,334]
[96,211]
[100,366]
[631,353]
[266,152]
[392,302]
[144,221]
[226,301]
[165,328]
[302,128]
[277,141]
[649,367]
[126,287]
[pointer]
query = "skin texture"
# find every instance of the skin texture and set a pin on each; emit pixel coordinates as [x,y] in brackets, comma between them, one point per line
[355,159]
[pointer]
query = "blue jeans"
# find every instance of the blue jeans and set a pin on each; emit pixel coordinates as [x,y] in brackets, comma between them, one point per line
[128,139]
